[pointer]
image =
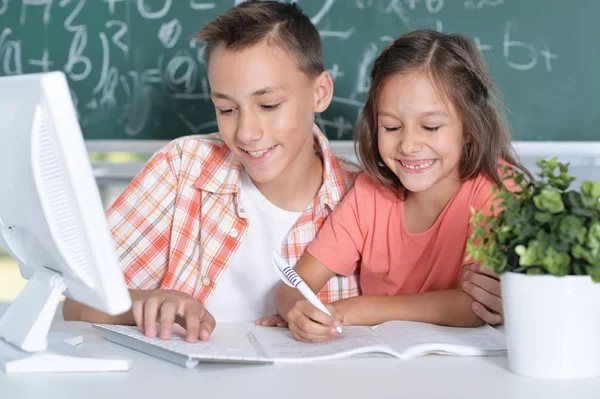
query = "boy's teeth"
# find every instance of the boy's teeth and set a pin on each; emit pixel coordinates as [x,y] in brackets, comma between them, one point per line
[258,154]
[421,166]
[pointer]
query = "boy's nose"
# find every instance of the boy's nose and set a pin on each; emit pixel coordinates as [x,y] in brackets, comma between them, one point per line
[249,130]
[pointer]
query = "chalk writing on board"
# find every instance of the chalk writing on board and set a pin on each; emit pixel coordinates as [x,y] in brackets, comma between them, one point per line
[196,5]
[43,63]
[131,61]
[146,11]
[169,33]
[531,54]
[479,4]
[111,5]
[47,4]
[3,6]
[117,38]
[335,72]
[74,13]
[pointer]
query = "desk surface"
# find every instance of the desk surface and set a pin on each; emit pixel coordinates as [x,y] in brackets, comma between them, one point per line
[360,377]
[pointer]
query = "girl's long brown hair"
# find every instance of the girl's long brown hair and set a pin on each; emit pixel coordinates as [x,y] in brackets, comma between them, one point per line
[458,69]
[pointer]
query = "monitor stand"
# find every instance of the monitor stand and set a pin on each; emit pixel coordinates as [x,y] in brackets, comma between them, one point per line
[26,346]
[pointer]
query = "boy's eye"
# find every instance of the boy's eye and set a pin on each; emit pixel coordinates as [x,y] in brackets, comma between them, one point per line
[431,128]
[228,111]
[391,128]
[270,107]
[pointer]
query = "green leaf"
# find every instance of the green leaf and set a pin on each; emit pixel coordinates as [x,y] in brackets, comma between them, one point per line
[549,201]
[556,263]
[543,217]
[593,237]
[570,227]
[579,269]
[535,270]
[595,192]
[543,228]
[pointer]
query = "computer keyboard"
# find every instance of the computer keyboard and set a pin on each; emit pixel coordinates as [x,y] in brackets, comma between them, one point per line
[178,351]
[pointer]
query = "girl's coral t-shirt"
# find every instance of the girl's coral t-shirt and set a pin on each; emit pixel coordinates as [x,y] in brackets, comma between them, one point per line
[367,229]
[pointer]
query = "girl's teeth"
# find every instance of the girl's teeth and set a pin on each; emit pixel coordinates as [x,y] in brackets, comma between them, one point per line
[421,166]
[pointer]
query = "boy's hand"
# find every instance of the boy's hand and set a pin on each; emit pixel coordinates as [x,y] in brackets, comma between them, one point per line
[169,306]
[309,324]
[271,321]
[484,286]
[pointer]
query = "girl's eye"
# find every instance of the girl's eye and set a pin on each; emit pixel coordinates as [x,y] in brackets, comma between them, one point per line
[391,128]
[226,111]
[271,107]
[431,128]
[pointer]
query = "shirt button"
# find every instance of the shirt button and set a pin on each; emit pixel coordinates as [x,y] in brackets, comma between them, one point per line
[205,281]
[234,233]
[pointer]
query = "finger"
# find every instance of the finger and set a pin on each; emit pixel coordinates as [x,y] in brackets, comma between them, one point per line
[207,325]
[484,282]
[150,312]
[192,327]
[478,268]
[303,336]
[485,315]
[308,310]
[167,318]
[338,318]
[493,302]
[309,328]
[269,321]
[283,324]
[138,314]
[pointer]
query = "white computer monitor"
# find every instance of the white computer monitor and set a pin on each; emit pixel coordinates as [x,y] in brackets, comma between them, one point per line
[52,222]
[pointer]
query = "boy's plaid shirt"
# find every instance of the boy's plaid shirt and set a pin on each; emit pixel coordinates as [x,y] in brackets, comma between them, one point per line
[178,224]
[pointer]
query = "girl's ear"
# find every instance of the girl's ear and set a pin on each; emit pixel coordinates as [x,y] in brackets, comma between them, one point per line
[323,91]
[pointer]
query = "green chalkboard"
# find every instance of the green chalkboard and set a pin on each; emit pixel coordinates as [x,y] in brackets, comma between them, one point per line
[135,73]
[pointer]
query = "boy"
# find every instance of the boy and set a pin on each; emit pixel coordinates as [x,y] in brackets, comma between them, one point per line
[195,229]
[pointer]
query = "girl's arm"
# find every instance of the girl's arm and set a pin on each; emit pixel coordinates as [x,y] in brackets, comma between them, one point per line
[314,274]
[448,308]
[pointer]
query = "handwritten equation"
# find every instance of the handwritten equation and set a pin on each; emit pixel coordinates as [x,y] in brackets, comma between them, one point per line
[135,72]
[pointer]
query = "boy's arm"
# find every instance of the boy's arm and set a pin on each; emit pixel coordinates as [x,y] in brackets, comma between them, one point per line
[447,307]
[77,311]
[151,309]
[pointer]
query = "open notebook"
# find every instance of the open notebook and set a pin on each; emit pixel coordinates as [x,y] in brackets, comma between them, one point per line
[247,343]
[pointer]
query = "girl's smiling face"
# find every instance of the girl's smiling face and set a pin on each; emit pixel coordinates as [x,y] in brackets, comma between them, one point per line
[420,134]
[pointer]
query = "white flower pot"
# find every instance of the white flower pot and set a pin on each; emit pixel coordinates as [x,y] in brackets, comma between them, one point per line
[552,325]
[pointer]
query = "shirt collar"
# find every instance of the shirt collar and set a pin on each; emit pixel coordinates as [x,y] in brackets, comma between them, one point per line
[221,172]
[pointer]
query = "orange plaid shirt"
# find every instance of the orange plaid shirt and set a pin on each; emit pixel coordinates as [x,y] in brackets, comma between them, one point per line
[178,224]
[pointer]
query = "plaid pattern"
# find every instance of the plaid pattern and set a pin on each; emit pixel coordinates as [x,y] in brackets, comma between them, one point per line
[178,224]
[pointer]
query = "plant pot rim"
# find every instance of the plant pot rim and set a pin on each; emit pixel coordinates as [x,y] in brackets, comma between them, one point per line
[543,276]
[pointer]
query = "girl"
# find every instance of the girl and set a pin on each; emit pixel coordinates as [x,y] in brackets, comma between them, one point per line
[431,141]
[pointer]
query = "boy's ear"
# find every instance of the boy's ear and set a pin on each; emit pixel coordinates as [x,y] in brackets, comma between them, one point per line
[323,88]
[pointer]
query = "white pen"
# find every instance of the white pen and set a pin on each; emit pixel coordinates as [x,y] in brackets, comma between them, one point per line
[291,278]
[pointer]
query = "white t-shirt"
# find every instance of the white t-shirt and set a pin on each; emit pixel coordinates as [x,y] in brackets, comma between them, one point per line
[246,290]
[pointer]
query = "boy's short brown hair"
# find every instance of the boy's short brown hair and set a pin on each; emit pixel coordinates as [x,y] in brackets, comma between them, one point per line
[255,22]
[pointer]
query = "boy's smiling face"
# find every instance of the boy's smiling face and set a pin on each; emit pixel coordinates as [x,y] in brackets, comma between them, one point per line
[265,109]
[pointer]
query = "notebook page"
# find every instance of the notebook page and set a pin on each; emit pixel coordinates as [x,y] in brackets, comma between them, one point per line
[279,344]
[413,339]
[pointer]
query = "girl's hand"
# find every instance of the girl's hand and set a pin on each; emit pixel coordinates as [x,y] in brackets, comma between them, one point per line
[484,286]
[271,321]
[309,324]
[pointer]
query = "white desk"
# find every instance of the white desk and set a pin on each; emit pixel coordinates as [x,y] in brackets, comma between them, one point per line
[368,378]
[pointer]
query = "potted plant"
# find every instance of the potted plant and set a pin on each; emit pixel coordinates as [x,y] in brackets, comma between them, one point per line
[543,239]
